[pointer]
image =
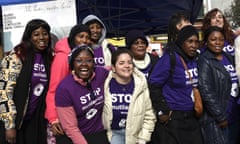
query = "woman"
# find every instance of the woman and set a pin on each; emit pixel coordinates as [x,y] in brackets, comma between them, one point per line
[79,100]
[127,114]
[24,78]
[102,49]
[137,43]
[171,91]
[215,17]
[218,86]
[79,34]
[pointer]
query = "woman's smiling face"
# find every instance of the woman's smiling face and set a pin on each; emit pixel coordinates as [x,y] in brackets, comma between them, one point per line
[40,38]
[84,65]
[215,42]
[123,67]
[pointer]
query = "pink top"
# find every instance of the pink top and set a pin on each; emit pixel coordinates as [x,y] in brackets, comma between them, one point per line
[59,69]
[70,124]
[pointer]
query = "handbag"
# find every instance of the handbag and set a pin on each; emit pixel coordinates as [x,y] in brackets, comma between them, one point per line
[198,106]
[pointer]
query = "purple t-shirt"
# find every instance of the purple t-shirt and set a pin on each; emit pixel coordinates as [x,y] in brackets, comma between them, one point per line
[38,84]
[228,48]
[233,107]
[88,111]
[98,57]
[178,91]
[121,98]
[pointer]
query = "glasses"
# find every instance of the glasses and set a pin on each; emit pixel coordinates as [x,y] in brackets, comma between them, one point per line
[79,61]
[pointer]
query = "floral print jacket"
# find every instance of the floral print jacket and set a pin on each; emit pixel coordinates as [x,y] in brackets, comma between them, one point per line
[10,68]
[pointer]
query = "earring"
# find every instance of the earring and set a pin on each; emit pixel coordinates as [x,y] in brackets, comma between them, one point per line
[73,71]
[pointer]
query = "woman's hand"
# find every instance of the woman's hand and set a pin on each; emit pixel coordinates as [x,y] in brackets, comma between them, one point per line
[57,129]
[223,124]
[11,136]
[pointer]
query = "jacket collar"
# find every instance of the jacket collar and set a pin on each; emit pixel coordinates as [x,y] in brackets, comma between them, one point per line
[216,63]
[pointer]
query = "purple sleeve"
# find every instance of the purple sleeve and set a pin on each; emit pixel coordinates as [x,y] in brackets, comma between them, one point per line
[63,96]
[160,71]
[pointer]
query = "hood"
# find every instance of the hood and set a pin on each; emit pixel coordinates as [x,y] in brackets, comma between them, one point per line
[93,17]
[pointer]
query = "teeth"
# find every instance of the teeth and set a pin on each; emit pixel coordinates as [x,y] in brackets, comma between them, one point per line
[41,43]
[83,69]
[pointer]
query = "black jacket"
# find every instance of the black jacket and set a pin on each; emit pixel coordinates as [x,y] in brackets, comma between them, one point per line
[215,87]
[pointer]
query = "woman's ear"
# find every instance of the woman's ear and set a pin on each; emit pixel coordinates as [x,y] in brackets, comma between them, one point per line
[113,69]
[178,26]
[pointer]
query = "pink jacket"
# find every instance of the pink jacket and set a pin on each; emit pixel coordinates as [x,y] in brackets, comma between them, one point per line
[59,69]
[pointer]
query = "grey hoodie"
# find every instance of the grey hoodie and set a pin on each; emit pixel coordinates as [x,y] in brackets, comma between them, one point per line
[104,31]
[102,42]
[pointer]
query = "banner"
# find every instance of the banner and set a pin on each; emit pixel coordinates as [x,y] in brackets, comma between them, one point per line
[60,14]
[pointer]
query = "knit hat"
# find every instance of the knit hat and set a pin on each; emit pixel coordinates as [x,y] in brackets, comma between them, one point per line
[185,33]
[74,31]
[133,35]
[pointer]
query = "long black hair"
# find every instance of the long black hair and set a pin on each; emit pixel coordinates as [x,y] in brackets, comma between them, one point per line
[172,25]
[26,46]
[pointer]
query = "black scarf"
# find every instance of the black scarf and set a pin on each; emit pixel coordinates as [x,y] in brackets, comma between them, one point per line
[21,98]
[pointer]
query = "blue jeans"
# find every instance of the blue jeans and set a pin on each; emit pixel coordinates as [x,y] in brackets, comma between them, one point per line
[118,136]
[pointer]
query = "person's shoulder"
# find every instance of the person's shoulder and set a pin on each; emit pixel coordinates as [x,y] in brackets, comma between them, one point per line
[66,80]
[62,46]
[11,56]
[139,77]
[61,41]
[101,71]
[204,57]
[109,46]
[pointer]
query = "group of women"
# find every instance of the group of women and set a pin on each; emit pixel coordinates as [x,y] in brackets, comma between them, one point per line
[189,68]
[86,91]
[64,91]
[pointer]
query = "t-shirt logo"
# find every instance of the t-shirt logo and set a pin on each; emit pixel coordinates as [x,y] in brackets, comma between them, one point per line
[91,113]
[38,89]
[122,123]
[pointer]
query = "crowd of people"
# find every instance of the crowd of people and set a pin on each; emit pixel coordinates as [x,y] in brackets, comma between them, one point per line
[87,91]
